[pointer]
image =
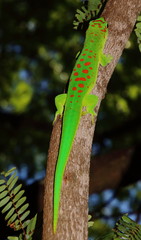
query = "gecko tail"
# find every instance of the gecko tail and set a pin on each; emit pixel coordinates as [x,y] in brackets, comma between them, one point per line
[57,194]
[67,138]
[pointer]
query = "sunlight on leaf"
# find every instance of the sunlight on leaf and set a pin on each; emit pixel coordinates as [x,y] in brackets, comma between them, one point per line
[128,44]
[122,105]
[133,91]
[119,103]
[43,53]
[21,96]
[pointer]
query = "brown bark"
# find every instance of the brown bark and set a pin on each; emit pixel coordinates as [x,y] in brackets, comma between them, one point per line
[121,16]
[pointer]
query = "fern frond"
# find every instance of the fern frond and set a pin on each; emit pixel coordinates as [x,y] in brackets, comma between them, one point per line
[138,31]
[31,225]
[13,203]
[82,15]
[127,229]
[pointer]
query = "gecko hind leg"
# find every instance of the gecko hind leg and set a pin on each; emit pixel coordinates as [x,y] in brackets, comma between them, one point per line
[90,102]
[60,103]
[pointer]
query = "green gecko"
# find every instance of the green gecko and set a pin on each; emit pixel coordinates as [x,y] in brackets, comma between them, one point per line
[81,83]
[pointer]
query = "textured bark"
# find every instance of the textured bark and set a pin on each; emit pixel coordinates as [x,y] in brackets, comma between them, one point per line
[121,16]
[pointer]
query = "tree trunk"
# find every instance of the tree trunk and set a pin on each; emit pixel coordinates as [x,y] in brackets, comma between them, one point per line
[72,225]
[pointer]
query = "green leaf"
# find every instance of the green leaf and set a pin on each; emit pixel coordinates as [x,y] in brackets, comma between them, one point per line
[21,237]
[12,183]
[125,218]
[24,215]
[6,208]
[9,213]
[79,18]
[94,5]
[17,222]
[3,194]
[140,47]
[17,226]
[12,238]
[11,179]
[31,225]
[18,196]
[139,18]
[2,188]
[138,26]
[23,208]
[121,228]
[11,220]
[16,189]
[84,10]
[4,201]
[9,172]
[20,202]
[2,181]
[117,238]
[25,224]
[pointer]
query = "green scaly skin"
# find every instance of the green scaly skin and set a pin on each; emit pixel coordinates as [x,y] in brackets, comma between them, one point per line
[82,81]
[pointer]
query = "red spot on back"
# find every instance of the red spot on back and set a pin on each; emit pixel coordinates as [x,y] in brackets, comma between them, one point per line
[90,68]
[87,63]
[74,88]
[98,21]
[71,95]
[82,59]
[89,57]
[81,85]
[88,77]
[74,69]
[75,74]
[104,30]
[79,96]
[90,51]
[85,71]
[86,49]
[78,65]
[80,91]
[80,79]
[84,54]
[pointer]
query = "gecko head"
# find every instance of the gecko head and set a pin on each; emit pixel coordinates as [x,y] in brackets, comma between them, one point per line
[98,25]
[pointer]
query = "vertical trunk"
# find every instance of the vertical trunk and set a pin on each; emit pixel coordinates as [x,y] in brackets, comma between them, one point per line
[121,16]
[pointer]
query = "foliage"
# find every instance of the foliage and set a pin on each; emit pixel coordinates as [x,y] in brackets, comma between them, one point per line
[138,31]
[13,203]
[125,229]
[86,14]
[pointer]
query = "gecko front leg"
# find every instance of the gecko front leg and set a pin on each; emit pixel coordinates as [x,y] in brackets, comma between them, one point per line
[60,101]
